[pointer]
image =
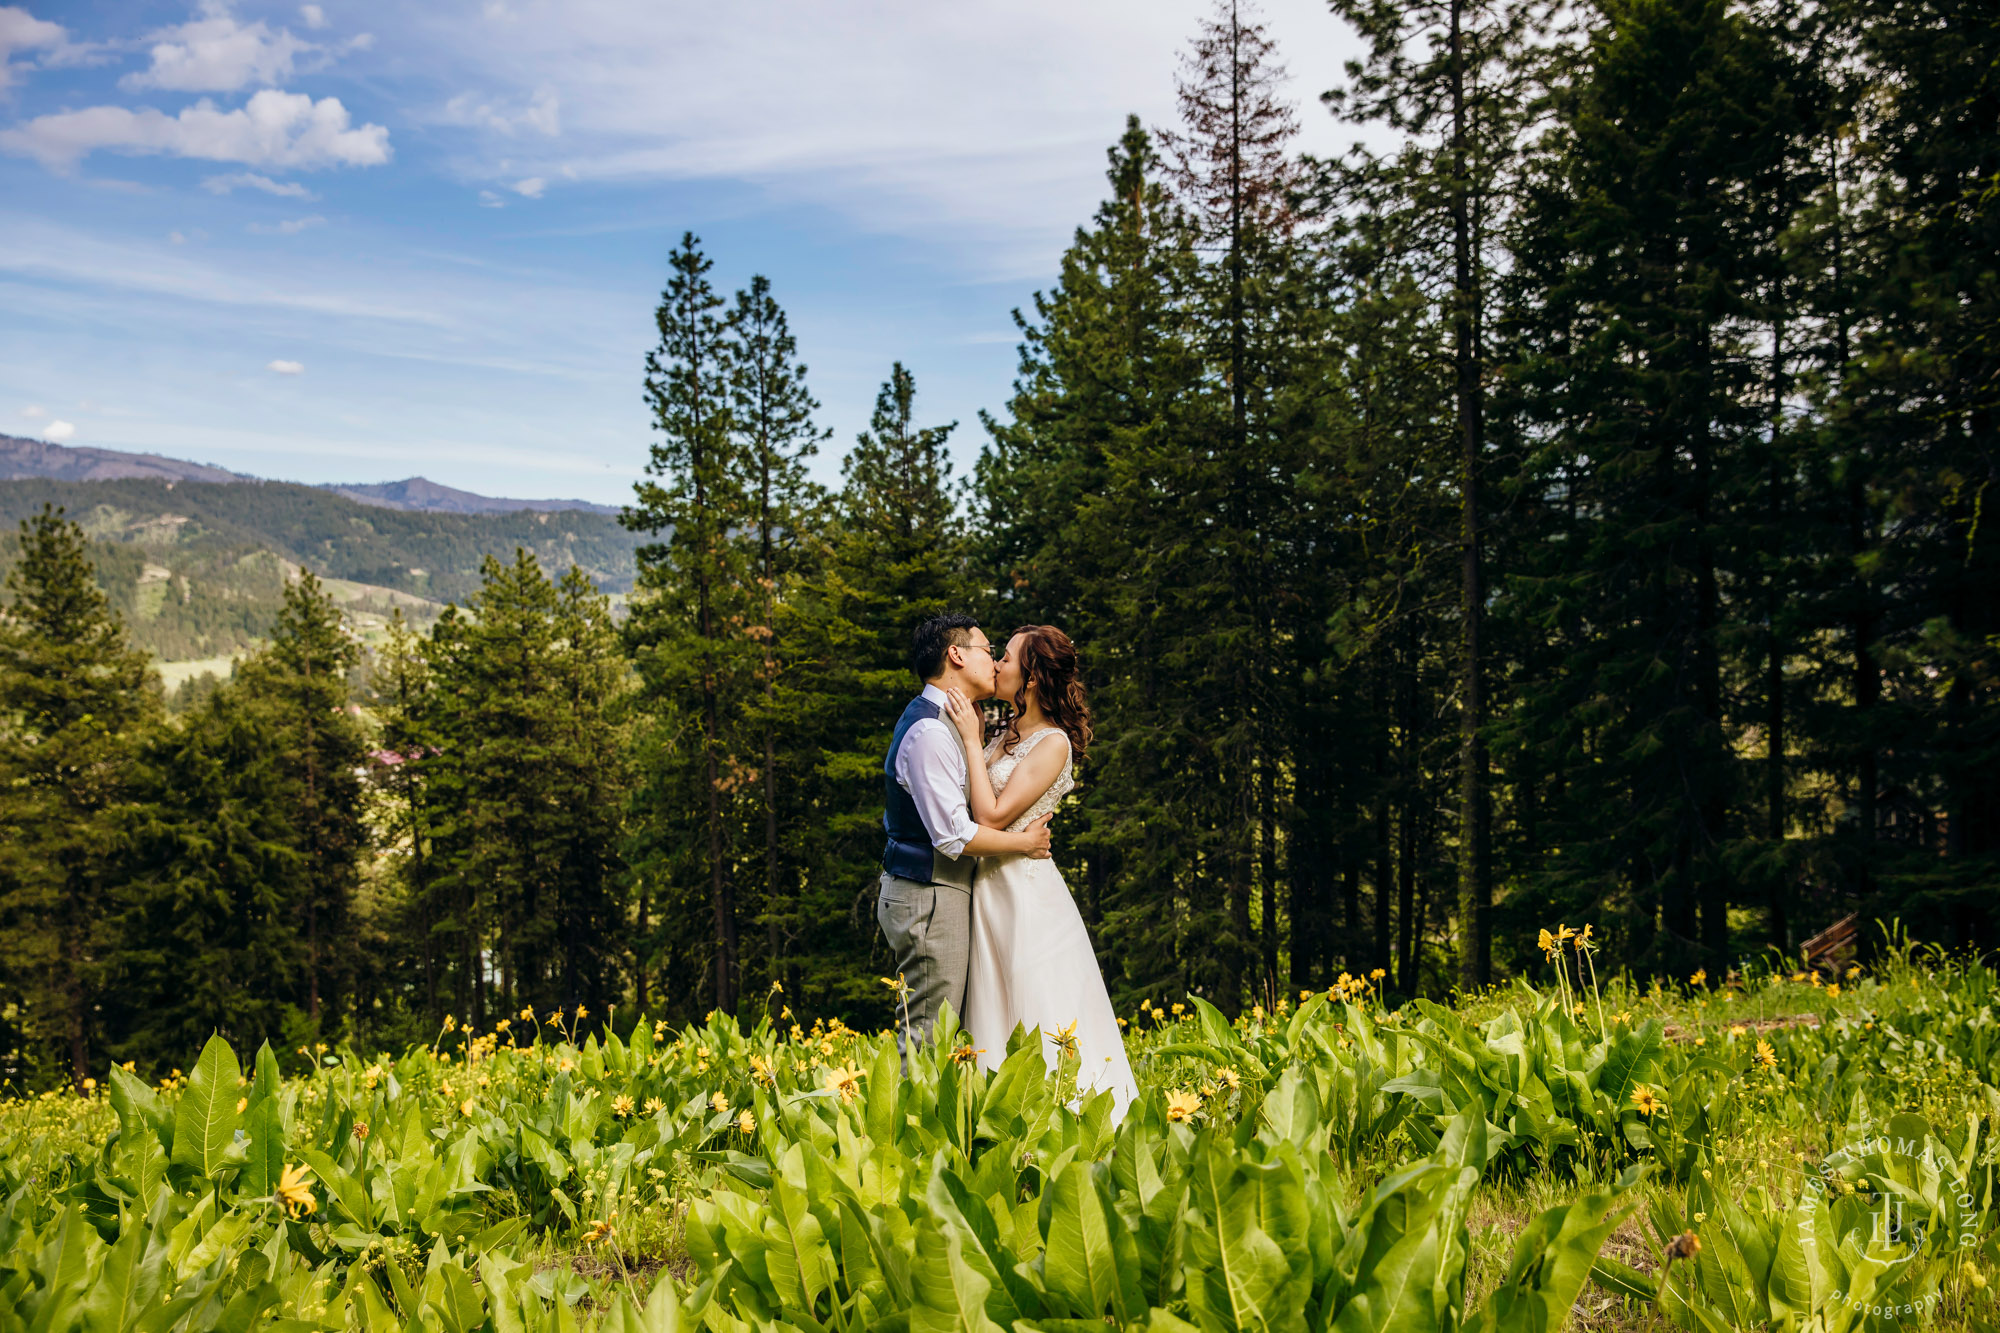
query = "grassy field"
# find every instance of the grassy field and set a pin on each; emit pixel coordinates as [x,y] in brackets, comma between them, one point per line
[1789,1152]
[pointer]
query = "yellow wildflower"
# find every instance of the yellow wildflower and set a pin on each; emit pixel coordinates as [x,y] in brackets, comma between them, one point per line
[654,1106]
[965,1053]
[361,1130]
[582,1013]
[1065,1041]
[846,1080]
[528,1014]
[1377,974]
[1700,977]
[1765,1055]
[718,1103]
[242,1105]
[621,1106]
[1546,943]
[1833,990]
[292,1191]
[1738,1030]
[746,1123]
[598,1231]
[1645,1101]
[1230,1078]
[1182,1106]
[465,1107]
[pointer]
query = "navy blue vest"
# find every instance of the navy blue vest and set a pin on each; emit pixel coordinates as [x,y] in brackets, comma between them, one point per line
[909,852]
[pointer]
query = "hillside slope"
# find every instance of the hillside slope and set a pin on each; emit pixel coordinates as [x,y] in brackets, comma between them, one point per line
[198,568]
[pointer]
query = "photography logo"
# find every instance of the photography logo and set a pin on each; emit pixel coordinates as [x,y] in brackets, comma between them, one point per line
[1898,1230]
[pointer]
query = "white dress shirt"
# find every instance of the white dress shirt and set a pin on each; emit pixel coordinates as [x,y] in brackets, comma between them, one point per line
[930,766]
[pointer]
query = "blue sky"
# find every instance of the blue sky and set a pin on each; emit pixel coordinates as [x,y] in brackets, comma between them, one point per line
[361,241]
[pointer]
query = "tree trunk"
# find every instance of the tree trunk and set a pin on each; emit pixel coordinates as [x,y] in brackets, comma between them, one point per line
[1475,887]
[1778,892]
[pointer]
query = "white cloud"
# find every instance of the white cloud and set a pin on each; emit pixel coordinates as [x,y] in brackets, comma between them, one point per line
[176,238]
[34,411]
[250,180]
[530,188]
[217,54]
[543,114]
[22,31]
[58,431]
[289,227]
[314,16]
[488,199]
[273,129]
[287,368]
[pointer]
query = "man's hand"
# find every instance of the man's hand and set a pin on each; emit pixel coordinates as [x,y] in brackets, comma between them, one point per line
[1030,841]
[1038,834]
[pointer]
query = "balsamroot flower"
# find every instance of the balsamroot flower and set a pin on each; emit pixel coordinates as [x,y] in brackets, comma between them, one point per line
[1182,1106]
[845,1080]
[1065,1040]
[292,1191]
[1645,1101]
[621,1106]
[746,1123]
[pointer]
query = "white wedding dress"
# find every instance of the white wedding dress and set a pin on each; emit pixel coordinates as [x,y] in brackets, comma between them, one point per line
[1032,962]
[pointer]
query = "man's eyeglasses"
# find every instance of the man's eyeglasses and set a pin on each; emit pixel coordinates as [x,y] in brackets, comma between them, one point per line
[998,651]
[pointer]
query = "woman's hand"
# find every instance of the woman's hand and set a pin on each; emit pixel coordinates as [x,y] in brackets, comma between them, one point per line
[964,715]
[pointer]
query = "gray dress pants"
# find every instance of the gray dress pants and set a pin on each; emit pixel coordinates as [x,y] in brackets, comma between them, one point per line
[929,930]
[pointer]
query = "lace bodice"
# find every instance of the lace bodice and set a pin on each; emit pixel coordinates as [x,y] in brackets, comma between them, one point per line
[1000,766]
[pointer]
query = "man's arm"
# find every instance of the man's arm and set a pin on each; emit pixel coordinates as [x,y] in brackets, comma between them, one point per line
[931,767]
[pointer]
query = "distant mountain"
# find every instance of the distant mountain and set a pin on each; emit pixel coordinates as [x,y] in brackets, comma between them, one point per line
[22,460]
[427,496]
[197,568]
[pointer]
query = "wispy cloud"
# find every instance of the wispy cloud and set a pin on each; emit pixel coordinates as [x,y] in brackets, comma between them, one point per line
[289,227]
[286,368]
[250,180]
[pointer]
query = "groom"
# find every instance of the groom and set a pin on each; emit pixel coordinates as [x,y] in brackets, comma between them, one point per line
[924,905]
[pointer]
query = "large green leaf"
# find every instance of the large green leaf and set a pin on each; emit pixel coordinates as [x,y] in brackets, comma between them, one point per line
[950,1294]
[206,1119]
[1552,1260]
[1077,1264]
[264,1124]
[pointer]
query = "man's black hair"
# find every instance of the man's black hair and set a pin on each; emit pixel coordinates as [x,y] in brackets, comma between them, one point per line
[927,645]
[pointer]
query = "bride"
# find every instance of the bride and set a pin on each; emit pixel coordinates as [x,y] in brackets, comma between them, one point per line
[1032,963]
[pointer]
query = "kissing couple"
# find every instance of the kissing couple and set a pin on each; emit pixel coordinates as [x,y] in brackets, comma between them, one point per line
[976,913]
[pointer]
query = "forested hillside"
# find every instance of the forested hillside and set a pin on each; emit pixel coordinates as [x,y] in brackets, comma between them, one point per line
[197,568]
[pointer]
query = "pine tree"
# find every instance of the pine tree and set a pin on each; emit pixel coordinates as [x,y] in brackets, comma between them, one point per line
[530,770]
[303,677]
[1450,75]
[1640,266]
[77,704]
[687,629]
[773,414]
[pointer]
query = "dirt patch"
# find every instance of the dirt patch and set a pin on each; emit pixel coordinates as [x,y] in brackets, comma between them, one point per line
[1675,1032]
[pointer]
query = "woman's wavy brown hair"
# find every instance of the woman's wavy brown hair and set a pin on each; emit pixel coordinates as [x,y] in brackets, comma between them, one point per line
[1048,659]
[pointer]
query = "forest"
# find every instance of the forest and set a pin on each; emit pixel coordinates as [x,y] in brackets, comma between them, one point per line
[1570,510]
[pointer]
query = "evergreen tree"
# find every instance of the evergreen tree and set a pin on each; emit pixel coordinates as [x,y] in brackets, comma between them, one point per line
[528,781]
[687,626]
[773,414]
[1450,76]
[77,704]
[1637,299]
[237,912]
[302,677]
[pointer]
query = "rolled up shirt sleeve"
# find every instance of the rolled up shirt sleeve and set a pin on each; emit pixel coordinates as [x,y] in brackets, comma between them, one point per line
[931,767]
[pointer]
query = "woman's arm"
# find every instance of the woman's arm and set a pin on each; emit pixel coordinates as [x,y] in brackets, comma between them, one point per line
[963,715]
[1033,776]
